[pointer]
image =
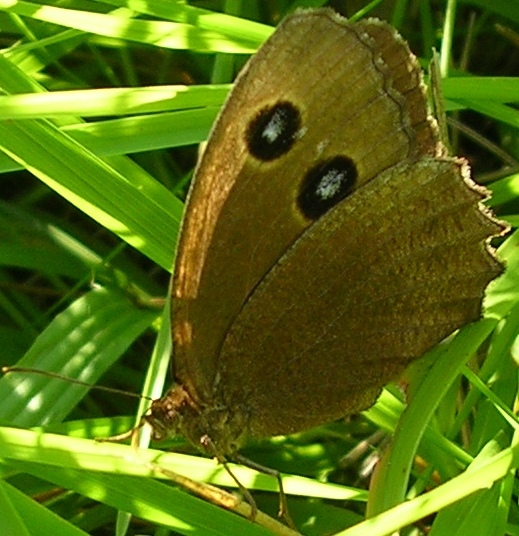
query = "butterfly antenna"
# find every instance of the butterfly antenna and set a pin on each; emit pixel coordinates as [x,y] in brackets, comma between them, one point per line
[9,370]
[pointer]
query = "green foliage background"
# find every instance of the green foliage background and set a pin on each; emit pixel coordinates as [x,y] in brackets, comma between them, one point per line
[102,105]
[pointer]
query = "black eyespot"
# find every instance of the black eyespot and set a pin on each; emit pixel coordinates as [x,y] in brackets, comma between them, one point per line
[273,131]
[325,185]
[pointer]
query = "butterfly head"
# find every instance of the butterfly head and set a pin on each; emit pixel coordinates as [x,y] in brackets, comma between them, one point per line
[214,429]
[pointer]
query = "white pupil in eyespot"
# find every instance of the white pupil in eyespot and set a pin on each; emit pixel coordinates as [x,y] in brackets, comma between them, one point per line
[275,127]
[330,184]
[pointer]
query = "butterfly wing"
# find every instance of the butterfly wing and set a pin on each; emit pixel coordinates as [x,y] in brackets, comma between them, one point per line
[372,285]
[319,87]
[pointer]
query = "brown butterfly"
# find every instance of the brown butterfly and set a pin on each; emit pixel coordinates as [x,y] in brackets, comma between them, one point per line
[328,240]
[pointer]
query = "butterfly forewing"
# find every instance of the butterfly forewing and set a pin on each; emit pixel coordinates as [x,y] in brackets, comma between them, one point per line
[242,213]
